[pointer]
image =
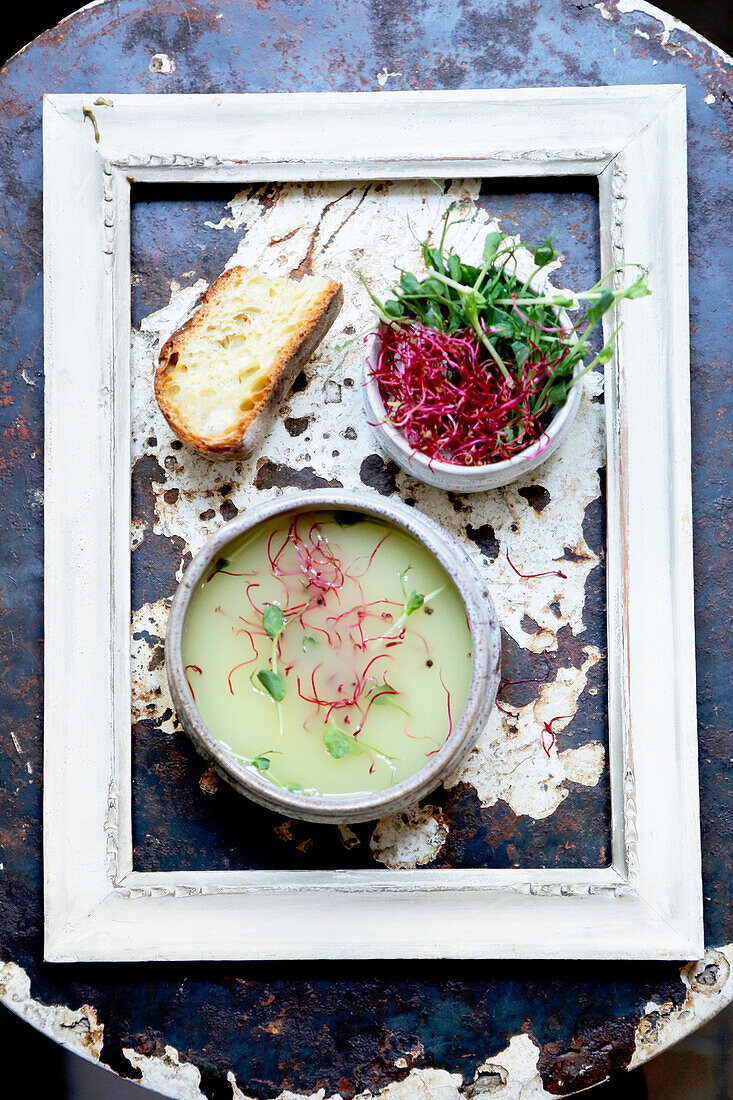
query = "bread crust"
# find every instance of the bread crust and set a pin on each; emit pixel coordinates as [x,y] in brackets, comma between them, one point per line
[303,343]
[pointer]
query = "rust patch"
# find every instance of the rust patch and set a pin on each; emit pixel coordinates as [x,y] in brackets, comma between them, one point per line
[574,554]
[296,425]
[537,496]
[300,382]
[485,538]
[305,267]
[275,475]
[587,1059]
[156,560]
[285,237]
[379,475]
[209,782]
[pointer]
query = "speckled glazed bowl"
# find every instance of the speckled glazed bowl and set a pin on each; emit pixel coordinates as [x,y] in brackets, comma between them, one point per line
[448,475]
[486,651]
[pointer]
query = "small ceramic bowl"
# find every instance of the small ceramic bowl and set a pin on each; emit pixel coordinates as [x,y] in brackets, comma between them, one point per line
[448,475]
[485,648]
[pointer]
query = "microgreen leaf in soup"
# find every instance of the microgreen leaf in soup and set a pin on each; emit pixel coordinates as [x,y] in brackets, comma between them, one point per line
[337,743]
[273,683]
[273,621]
[262,763]
[386,699]
[414,602]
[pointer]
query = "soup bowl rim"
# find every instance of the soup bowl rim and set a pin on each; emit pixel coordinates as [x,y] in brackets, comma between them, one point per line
[485,650]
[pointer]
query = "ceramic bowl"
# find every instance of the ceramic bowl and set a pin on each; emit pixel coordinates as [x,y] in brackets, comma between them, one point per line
[447,475]
[486,651]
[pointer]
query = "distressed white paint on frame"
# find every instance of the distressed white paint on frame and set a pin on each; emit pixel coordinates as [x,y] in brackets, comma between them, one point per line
[648,903]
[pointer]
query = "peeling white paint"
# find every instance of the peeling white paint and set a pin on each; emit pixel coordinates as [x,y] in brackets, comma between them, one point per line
[669,24]
[410,839]
[349,838]
[512,1073]
[78,1029]
[162,63]
[384,76]
[603,10]
[509,762]
[146,342]
[150,695]
[709,989]
[167,1074]
[710,98]
[583,765]
[422,1084]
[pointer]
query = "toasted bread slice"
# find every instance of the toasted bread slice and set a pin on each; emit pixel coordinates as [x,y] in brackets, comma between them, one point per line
[250,336]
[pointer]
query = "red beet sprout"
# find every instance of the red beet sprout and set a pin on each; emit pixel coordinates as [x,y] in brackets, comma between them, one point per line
[354,576]
[535,324]
[528,680]
[547,728]
[240,665]
[450,718]
[531,576]
[185,672]
[313,558]
[450,399]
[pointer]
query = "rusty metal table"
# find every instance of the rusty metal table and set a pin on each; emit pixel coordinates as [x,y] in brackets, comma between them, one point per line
[416,1029]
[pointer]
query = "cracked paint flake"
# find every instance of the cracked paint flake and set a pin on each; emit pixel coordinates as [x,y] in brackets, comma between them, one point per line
[384,75]
[162,63]
[511,1074]
[78,1029]
[167,1073]
[669,24]
[174,1077]
[150,694]
[322,227]
[409,839]
[508,761]
[709,983]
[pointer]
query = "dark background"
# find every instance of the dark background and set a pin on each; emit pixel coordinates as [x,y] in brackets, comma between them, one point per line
[701,1068]
[712,18]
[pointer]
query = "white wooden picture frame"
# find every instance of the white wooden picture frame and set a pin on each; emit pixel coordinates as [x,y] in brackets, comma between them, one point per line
[647,903]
